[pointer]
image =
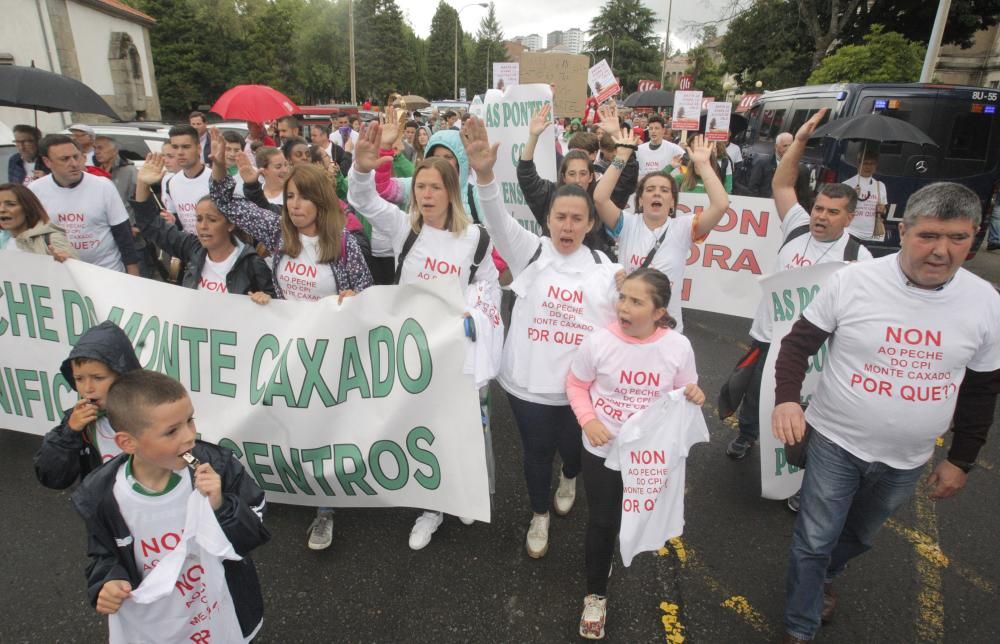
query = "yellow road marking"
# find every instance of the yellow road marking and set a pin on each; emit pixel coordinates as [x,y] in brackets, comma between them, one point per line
[930,561]
[931,551]
[671,625]
[740,605]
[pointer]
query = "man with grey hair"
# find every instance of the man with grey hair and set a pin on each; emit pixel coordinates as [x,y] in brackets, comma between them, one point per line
[915,346]
[763,169]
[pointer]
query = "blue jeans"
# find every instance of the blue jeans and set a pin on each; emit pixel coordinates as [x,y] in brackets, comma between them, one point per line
[994,236]
[845,501]
[749,415]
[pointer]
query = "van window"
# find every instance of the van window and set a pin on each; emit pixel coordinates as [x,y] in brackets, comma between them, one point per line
[970,136]
[770,123]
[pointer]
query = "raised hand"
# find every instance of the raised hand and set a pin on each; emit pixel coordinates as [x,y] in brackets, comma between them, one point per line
[700,150]
[802,136]
[217,152]
[609,118]
[625,137]
[482,155]
[152,170]
[541,119]
[248,173]
[366,150]
[390,129]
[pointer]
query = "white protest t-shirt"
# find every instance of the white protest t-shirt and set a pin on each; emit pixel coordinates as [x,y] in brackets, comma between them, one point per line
[734,153]
[303,277]
[181,195]
[214,274]
[86,212]
[561,300]
[439,253]
[661,158]
[104,439]
[629,375]
[804,250]
[636,240]
[651,451]
[871,192]
[897,357]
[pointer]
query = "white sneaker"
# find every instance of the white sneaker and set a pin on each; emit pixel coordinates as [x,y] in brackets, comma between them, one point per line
[425,526]
[565,495]
[321,531]
[595,611]
[466,520]
[537,542]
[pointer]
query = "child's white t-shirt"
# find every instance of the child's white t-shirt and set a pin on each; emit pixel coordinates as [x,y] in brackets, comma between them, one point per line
[661,158]
[303,277]
[628,375]
[104,439]
[214,274]
[182,194]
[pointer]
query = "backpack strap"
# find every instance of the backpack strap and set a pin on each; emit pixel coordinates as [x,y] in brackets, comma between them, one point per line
[535,256]
[597,258]
[481,247]
[411,238]
[798,231]
[851,248]
[472,204]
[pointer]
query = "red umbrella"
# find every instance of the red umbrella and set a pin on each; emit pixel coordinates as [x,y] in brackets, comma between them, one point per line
[257,103]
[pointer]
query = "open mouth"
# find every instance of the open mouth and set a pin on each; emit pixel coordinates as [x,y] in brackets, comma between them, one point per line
[624,322]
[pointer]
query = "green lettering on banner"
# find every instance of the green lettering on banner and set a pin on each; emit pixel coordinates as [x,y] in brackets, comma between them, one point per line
[24,376]
[379,337]
[493,115]
[347,479]
[317,456]
[168,360]
[19,308]
[427,481]
[76,307]
[781,462]
[817,360]
[313,379]
[784,308]
[38,293]
[47,396]
[219,361]
[266,344]
[151,328]
[352,371]
[230,445]
[414,385]
[290,474]
[12,398]
[806,295]
[279,384]
[253,452]
[374,462]
[512,193]
[131,328]
[194,337]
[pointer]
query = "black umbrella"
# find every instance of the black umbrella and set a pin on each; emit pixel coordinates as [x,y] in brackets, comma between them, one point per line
[650,98]
[36,89]
[873,127]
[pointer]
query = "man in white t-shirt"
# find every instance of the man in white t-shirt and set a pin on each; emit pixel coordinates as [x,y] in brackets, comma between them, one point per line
[342,131]
[87,207]
[658,154]
[808,238]
[914,347]
[182,191]
[872,198]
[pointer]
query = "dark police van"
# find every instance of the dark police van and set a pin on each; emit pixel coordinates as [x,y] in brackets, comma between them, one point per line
[962,120]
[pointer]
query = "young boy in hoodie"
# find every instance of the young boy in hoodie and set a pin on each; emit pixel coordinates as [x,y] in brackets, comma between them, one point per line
[85,438]
[142,517]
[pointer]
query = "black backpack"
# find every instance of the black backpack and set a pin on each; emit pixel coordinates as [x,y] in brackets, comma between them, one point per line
[477,259]
[850,250]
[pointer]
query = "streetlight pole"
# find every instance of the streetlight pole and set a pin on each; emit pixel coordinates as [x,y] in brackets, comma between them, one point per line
[350,38]
[458,26]
[666,45]
[934,45]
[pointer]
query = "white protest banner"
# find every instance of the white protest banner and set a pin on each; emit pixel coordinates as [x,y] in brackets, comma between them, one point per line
[506,75]
[355,405]
[788,293]
[507,118]
[687,110]
[603,84]
[722,272]
[717,120]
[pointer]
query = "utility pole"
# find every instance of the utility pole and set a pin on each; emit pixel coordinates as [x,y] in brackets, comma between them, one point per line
[934,44]
[666,46]
[350,38]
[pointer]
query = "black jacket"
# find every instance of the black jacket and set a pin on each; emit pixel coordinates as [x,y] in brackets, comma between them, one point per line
[66,455]
[761,174]
[109,540]
[249,274]
[538,195]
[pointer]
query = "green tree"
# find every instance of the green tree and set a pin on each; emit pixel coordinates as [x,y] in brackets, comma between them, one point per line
[319,48]
[885,57]
[489,49]
[626,27]
[768,43]
[706,72]
[441,52]
[914,20]
[267,28]
[384,64]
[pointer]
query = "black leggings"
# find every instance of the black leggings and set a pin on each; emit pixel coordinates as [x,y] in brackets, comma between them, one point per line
[544,429]
[604,505]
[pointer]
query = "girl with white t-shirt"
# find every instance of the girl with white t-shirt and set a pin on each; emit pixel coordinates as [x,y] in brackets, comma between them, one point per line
[564,291]
[654,236]
[435,239]
[215,259]
[641,354]
[313,255]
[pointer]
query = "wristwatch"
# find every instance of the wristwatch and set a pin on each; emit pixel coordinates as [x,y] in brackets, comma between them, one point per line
[962,465]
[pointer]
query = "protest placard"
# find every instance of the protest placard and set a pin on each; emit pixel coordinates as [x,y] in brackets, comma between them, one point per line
[359,404]
[687,111]
[567,72]
[717,120]
[602,81]
[505,75]
[787,294]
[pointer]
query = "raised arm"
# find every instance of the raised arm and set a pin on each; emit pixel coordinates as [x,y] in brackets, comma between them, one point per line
[541,119]
[718,200]
[627,143]
[787,172]
[361,191]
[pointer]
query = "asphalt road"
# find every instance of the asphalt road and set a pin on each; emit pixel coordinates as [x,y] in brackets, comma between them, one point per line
[933,575]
